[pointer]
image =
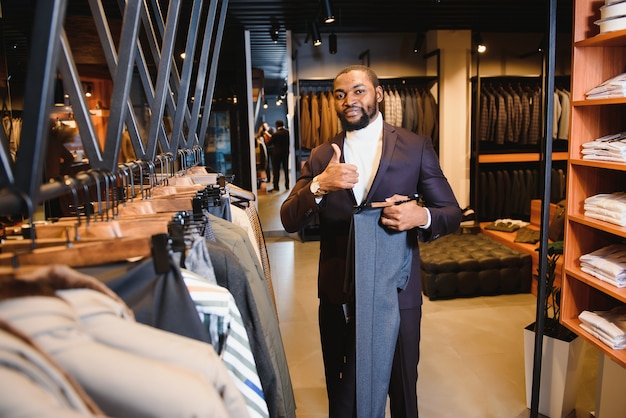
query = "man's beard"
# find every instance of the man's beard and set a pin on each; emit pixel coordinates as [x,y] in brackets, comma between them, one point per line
[360,124]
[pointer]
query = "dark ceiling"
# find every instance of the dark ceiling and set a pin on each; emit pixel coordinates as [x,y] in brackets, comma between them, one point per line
[369,16]
[352,16]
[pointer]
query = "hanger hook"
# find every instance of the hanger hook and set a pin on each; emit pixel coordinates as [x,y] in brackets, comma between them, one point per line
[69,182]
[95,175]
[131,177]
[151,177]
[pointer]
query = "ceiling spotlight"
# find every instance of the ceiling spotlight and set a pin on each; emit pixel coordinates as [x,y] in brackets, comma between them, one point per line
[419,42]
[315,34]
[265,105]
[329,17]
[275,29]
[332,43]
[89,90]
[479,43]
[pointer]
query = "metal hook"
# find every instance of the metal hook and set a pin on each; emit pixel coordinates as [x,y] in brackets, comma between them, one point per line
[31,216]
[86,201]
[123,176]
[95,175]
[115,194]
[151,176]
[131,177]
[141,190]
[163,178]
[69,182]
[183,166]
[107,190]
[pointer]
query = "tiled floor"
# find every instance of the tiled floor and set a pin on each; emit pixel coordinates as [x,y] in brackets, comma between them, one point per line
[472,361]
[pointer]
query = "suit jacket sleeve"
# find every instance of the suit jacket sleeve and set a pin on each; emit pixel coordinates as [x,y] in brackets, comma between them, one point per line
[300,206]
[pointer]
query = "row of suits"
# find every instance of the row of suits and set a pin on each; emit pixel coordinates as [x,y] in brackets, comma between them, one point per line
[412,108]
[318,119]
[513,114]
[506,193]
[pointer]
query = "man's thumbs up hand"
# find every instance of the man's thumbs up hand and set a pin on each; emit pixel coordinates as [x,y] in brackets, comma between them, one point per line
[336,159]
[338,175]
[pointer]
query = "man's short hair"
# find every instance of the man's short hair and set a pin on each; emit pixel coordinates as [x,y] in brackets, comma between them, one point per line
[367,70]
[280,123]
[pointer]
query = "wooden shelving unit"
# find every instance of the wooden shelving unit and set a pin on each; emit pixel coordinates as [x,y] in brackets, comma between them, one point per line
[595,58]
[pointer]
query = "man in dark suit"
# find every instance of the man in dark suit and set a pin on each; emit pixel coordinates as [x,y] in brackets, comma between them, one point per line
[370,161]
[279,148]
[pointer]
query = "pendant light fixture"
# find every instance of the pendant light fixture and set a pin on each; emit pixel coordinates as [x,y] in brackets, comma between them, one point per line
[315,34]
[329,17]
[479,44]
[419,42]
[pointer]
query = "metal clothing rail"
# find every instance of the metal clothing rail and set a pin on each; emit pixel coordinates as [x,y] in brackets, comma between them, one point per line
[185,98]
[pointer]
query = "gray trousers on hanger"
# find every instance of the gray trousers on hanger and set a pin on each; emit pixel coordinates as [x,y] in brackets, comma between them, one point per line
[382,264]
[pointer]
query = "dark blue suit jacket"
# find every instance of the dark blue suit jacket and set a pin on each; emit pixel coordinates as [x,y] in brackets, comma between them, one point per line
[408,165]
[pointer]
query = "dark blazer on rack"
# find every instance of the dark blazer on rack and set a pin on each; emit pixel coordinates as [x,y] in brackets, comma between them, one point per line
[408,165]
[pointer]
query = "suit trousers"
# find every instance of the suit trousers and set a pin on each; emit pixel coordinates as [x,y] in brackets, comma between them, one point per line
[280,160]
[381,260]
[338,351]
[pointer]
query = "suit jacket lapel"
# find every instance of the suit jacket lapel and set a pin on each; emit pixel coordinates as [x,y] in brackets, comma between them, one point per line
[390,138]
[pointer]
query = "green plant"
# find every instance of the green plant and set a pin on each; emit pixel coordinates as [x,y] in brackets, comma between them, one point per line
[552,303]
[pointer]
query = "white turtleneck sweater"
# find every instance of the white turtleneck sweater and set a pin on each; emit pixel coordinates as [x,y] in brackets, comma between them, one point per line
[364,148]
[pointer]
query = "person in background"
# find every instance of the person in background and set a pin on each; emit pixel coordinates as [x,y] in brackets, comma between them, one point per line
[278,146]
[370,161]
[263,134]
[59,161]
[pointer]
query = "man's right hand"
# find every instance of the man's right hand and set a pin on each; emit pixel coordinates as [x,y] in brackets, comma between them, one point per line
[338,175]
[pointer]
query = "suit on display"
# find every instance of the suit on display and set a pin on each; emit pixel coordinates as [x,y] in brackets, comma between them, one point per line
[406,164]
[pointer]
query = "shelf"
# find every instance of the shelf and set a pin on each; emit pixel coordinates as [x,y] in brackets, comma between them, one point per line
[595,59]
[606,165]
[610,39]
[618,293]
[619,356]
[599,225]
[518,157]
[599,102]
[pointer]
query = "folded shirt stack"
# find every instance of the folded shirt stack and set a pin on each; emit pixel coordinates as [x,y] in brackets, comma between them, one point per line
[613,87]
[607,148]
[609,207]
[607,264]
[608,326]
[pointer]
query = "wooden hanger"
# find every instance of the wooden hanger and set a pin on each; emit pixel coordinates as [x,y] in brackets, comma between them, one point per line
[81,254]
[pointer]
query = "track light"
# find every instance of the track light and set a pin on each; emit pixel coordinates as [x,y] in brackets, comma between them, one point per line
[88,91]
[315,34]
[275,29]
[332,43]
[479,44]
[329,17]
[419,42]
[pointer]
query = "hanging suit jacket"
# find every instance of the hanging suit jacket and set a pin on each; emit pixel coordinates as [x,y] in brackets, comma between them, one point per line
[408,165]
